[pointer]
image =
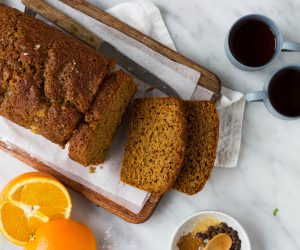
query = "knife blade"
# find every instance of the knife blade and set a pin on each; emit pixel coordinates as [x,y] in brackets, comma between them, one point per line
[33,7]
[135,69]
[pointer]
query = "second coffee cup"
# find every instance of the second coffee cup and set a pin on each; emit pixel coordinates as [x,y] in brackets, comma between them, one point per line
[281,93]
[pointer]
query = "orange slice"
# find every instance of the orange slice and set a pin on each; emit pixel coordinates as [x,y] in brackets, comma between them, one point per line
[28,201]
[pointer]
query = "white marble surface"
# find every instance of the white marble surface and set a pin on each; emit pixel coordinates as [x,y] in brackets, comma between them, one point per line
[268,173]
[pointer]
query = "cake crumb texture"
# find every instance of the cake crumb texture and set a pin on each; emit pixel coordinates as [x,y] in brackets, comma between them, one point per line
[202,142]
[156,143]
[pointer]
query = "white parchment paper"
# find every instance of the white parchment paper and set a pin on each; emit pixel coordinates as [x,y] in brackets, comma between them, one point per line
[106,178]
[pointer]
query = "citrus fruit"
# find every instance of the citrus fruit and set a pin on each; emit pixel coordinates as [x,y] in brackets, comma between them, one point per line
[63,234]
[28,201]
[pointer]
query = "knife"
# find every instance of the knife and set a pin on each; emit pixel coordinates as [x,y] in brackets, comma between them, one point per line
[33,7]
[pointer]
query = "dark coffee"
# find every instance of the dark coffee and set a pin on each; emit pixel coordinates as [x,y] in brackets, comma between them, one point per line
[252,43]
[284,92]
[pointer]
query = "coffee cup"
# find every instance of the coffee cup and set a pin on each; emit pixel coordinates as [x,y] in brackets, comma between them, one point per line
[281,93]
[254,42]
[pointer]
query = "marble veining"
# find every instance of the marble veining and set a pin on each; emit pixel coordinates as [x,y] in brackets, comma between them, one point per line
[268,173]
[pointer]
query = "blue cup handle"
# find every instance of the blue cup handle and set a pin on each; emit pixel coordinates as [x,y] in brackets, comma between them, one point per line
[290,47]
[258,96]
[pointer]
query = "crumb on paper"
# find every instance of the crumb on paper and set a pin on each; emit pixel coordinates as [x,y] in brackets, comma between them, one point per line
[92,169]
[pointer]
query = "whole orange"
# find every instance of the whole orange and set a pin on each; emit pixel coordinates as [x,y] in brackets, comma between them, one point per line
[63,234]
[28,201]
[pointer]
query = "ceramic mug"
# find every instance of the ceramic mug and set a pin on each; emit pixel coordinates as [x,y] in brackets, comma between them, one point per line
[280,44]
[263,96]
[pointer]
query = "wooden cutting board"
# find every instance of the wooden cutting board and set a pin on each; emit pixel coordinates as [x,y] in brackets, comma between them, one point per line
[207,80]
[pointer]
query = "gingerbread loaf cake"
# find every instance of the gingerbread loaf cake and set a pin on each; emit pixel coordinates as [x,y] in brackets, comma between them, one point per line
[201,147]
[90,143]
[48,80]
[155,145]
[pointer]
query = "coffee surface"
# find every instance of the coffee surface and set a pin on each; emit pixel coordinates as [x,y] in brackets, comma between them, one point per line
[284,92]
[252,43]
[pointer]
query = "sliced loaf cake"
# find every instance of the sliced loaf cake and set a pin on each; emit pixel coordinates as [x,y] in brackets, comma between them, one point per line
[202,142]
[92,140]
[48,80]
[155,145]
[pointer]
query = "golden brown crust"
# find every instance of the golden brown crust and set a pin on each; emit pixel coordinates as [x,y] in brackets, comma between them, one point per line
[156,143]
[202,142]
[44,70]
[110,87]
[22,101]
[56,122]
[73,73]
[91,141]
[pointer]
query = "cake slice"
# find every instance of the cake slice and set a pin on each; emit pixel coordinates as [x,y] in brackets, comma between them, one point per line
[202,142]
[155,144]
[92,140]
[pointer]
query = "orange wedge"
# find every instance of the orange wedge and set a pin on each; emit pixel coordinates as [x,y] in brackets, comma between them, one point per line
[27,202]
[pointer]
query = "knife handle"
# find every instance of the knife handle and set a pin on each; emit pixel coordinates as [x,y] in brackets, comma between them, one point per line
[62,20]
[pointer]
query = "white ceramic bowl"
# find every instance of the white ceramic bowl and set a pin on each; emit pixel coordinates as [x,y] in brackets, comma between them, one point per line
[188,224]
